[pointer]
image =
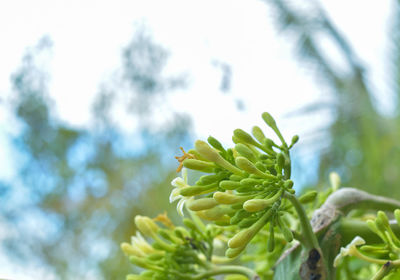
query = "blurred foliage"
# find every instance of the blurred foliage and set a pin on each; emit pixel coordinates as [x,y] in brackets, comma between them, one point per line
[78,189]
[363,144]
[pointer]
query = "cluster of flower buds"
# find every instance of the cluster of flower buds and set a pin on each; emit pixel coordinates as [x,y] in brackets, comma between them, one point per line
[244,186]
[386,253]
[176,252]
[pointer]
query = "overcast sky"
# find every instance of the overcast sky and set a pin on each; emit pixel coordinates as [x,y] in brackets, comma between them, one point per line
[88,37]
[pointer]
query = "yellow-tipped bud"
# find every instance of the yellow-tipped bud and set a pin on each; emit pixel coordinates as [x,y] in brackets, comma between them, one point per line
[199,165]
[308,197]
[227,198]
[212,155]
[233,253]
[372,226]
[146,225]
[245,151]
[202,204]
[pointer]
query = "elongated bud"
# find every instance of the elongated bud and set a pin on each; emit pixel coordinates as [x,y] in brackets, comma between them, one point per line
[235,178]
[308,197]
[181,232]
[254,205]
[142,262]
[243,136]
[271,239]
[239,215]
[372,226]
[288,184]
[212,155]
[380,224]
[245,223]
[295,139]
[215,143]
[269,120]
[146,225]
[244,151]
[287,234]
[233,253]
[202,204]
[249,167]
[209,179]
[195,190]
[156,256]
[236,277]
[258,133]
[243,237]
[229,185]
[382,216]
[334,179]
[199,165]
[129,250]
[214,214]
[190,224]
[227,198]
[280,160]
[397,215]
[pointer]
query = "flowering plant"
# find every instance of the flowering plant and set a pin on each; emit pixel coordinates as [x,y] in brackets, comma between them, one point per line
[245,221]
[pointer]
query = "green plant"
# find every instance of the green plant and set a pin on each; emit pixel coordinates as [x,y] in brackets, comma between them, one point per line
[246,221]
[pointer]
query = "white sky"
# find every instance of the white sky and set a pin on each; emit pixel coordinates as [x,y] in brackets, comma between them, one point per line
[88,37]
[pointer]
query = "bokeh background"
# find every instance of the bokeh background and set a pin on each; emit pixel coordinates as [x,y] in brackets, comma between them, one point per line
[96,97]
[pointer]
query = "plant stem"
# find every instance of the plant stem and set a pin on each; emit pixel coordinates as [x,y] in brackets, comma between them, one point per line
[385,269]
[310,239]
[228,269]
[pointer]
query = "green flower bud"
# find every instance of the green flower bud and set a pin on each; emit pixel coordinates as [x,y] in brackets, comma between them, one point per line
[280,160]
[212,155]
[254,205]
[196,190]
[372,226]
[146,225]
[397,215]
[190,224]
[209,179]
[250,182]
[244,137]
[288,184]
[258,133]
[227,198]
[295,139]
[249,167]
[233,253]
[243,237]
[229,185]
[269,120]
[142,262]
[156,256]
[236,277]
[287,234]
[244,151]
[202,204]
[167,235]
[235,178]
[129,250]
[181,232]
[215,143]
[239,215]
[382,216]
[215,214]
[260,166]
[271,239]
[199,165]
[245,223]
[308,197]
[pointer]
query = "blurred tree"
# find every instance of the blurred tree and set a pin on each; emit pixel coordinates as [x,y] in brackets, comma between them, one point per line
[78,190]
[363,145]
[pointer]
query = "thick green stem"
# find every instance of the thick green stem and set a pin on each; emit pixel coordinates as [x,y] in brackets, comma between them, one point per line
[227,269]
[307,232]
